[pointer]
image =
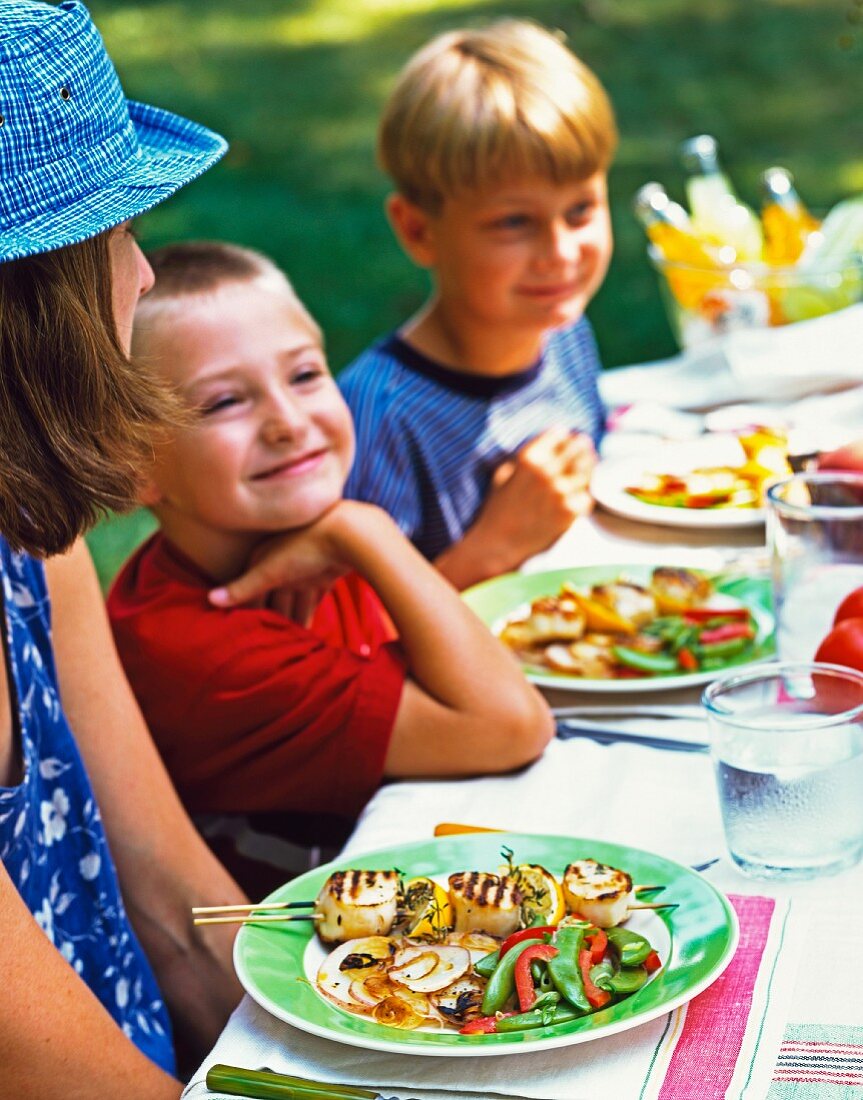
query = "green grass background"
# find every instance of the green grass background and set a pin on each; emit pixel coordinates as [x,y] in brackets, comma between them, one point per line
[297,85]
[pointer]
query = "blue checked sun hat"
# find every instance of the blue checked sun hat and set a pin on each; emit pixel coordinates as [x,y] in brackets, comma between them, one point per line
[77,157]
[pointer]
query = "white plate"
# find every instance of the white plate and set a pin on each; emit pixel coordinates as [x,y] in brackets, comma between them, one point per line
[611,478]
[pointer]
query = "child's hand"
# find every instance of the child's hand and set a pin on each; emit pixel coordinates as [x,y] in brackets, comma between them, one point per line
[849,457]
[293,569]
[535,497]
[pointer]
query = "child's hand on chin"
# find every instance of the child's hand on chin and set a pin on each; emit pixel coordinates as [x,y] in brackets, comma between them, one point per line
[291,571]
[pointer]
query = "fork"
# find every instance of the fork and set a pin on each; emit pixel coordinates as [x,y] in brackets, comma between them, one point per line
[643,710]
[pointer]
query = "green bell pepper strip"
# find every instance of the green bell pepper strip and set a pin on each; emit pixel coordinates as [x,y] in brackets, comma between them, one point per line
[628,979]
[501,985]
[631,948]
[644,662]
[565,970]
[538,1017]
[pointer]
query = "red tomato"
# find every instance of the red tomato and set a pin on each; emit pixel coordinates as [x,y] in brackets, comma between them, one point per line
[843,645]
[851,607]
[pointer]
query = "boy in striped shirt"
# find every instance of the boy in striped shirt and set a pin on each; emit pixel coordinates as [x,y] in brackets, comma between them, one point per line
[476,421]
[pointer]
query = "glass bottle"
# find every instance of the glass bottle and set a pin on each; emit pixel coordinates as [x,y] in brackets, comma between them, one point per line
[787,223]
[717,212]
[668,226]
[690,266]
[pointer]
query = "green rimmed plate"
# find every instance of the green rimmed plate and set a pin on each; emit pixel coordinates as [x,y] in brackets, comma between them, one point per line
[500,599]
[277,963]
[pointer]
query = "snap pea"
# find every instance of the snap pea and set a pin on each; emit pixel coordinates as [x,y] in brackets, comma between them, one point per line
[631,947]
[562,1014]
[485,966]
[628,979]
[564,967]
[601,975]
[723,649]
[501,984]
[644,662]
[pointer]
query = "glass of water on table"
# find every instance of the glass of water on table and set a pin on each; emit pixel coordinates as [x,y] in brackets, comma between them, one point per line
[815,539]
[787,747]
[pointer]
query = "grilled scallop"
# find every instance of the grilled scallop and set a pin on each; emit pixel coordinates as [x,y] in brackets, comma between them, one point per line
[357,903]
[591,658]
[630,601]
[551,618]
[597,892]
[483,902]
[678,589]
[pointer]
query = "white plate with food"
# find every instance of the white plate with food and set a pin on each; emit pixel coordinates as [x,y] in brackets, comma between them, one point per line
[627,628]
[716,481]
[423,991]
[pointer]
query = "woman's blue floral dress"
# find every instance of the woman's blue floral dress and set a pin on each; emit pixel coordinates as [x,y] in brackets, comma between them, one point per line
[52,842]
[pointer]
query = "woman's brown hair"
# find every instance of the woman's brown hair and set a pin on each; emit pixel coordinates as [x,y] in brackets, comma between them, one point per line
[77,421]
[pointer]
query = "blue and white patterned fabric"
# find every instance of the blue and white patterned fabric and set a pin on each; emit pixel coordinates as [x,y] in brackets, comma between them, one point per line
[76,157]
[52,842]
[430,438]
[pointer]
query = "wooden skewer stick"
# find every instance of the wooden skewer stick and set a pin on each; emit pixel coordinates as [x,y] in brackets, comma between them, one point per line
[250,918]
[644,889]
[657,905]
[200,910]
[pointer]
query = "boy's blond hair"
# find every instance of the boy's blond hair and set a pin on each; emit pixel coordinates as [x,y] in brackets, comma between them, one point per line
[204,267]
[474,108]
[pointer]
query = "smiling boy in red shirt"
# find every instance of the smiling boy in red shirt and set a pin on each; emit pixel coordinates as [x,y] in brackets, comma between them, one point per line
[278,722]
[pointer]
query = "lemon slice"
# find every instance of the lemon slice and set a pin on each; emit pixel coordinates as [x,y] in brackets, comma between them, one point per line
[429,908]
[543,894]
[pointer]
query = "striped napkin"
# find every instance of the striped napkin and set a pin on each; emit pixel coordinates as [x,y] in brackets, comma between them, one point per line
[724,1043]
[821,1055]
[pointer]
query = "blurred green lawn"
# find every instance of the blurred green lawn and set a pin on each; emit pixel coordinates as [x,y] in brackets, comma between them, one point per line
[296,85]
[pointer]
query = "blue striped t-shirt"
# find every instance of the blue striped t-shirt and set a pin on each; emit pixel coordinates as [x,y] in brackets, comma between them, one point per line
[429,438]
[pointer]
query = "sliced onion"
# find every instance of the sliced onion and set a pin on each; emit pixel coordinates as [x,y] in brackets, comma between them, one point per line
[396,1012]
[452,963]
[415,969]
[469,990]
[335,982]
[473,941]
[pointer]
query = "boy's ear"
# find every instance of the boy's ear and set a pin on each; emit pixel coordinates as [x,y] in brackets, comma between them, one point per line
[149,493]
[413,228]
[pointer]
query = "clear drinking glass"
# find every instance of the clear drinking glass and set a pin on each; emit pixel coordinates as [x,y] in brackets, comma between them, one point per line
[787,747]
[815,538]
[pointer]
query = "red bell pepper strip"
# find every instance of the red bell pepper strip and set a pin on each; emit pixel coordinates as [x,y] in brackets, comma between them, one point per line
[705,614]
[524,986]
[598,942]
[595,996]
[725,633]
[652,962]
[483,1025]
[687,660]
[534,933]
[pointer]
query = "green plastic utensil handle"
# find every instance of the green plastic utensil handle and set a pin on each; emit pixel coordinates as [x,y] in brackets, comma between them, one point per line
[259,1084]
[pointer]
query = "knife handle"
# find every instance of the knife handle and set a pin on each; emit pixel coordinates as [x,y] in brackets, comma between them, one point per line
[260,1084]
